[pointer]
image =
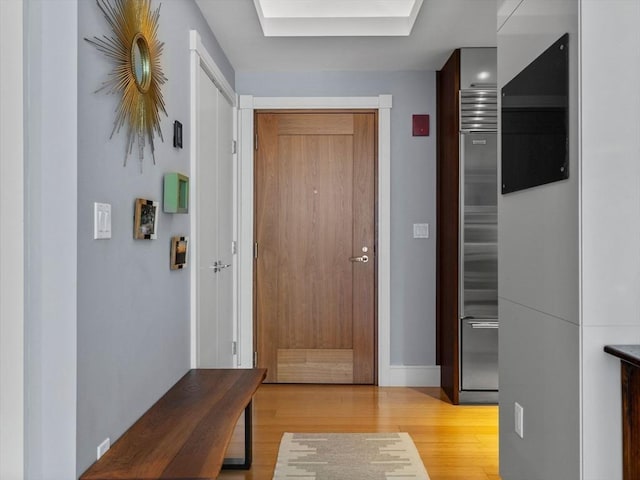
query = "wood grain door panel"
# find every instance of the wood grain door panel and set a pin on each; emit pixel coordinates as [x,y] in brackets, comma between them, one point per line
[315,193]
[316,124]
[314,241]
[315,366]
[364,235]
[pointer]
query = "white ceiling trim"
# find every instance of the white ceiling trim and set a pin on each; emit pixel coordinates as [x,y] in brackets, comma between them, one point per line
[342,18]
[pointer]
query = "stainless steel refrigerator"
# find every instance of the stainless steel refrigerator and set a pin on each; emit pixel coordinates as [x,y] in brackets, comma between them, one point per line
[478,234]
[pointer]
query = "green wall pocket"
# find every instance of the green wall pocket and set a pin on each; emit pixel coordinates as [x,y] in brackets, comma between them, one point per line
[176,193]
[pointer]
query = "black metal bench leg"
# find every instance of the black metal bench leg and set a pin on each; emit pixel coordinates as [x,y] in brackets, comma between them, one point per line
[233,464]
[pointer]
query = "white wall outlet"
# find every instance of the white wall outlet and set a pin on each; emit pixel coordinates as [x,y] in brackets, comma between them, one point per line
[101,221]
[103,447]
[420,230]
[519,419]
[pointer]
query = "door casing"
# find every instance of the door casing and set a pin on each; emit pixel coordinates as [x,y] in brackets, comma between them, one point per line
[12,255]
[248,104]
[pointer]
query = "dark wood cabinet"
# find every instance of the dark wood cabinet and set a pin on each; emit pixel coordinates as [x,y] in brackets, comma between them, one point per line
[629,356]
[447,267]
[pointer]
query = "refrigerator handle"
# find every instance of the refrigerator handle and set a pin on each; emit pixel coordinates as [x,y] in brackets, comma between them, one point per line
[461,189]
[484,325]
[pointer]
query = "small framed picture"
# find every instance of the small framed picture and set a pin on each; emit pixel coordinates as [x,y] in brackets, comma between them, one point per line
[145,219]
[179,252]
[177,134]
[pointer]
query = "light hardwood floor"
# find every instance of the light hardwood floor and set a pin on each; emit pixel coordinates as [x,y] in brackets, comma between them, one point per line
[455,442]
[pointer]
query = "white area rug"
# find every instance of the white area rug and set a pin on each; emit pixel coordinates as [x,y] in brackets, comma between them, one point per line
[348,456]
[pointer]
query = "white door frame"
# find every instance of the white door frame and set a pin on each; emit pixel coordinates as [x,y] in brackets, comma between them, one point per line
[11,242]
[200,58]
[248,104]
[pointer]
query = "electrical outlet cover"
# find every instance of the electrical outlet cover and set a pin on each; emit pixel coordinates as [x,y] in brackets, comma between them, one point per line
[519,419]
[103,447]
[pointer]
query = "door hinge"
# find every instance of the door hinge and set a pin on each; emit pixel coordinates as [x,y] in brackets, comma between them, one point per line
[234,147]
[255,250]
[255,141]
[255,359]
[234,348]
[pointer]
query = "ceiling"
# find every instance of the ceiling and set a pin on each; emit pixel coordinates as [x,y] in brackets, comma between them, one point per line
[336,18]
[441,27]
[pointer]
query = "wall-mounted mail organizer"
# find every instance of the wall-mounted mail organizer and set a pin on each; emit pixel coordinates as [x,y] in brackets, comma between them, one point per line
[176,193]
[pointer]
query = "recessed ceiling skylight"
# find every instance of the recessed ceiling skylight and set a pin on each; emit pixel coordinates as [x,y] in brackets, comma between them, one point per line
[337,18]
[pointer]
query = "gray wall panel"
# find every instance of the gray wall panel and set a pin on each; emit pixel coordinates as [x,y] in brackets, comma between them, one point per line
[133,312]
[538,227]
[413,190]
[539,277]
[541,373]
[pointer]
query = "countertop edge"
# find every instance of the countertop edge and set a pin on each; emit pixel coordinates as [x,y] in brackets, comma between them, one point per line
[627,353]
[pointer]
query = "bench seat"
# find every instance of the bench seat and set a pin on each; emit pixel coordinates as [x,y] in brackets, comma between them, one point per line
[185,434]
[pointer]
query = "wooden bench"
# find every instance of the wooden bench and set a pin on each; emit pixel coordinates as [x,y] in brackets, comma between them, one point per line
[185,434]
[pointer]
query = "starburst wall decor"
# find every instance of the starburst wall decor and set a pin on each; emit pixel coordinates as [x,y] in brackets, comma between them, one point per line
[136,75]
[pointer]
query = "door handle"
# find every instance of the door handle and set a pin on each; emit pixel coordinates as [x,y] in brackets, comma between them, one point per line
[217,266]
[362,259]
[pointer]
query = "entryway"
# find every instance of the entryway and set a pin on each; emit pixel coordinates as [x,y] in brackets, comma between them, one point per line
[386,373]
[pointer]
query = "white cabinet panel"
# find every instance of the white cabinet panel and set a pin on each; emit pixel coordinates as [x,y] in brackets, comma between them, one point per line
[610,167]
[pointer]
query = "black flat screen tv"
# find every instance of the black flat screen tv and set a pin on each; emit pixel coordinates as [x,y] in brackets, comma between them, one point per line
[535,121]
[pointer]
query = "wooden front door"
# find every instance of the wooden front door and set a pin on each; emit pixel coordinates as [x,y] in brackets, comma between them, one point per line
[315,230]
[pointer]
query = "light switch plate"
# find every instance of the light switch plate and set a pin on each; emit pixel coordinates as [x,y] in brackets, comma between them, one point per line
[101,221]
[420,230]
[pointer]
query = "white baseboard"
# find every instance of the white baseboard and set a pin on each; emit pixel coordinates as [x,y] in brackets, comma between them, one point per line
[413,376]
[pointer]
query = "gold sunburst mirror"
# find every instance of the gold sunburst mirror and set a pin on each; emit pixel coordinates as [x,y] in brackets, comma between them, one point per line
[137,74]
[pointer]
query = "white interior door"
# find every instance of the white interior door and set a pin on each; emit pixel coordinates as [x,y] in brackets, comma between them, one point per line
[214,210]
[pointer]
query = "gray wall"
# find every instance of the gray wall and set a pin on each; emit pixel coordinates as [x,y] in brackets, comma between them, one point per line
[50,232]
[413,190]
[133,312]
[539,276]
[610,213]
